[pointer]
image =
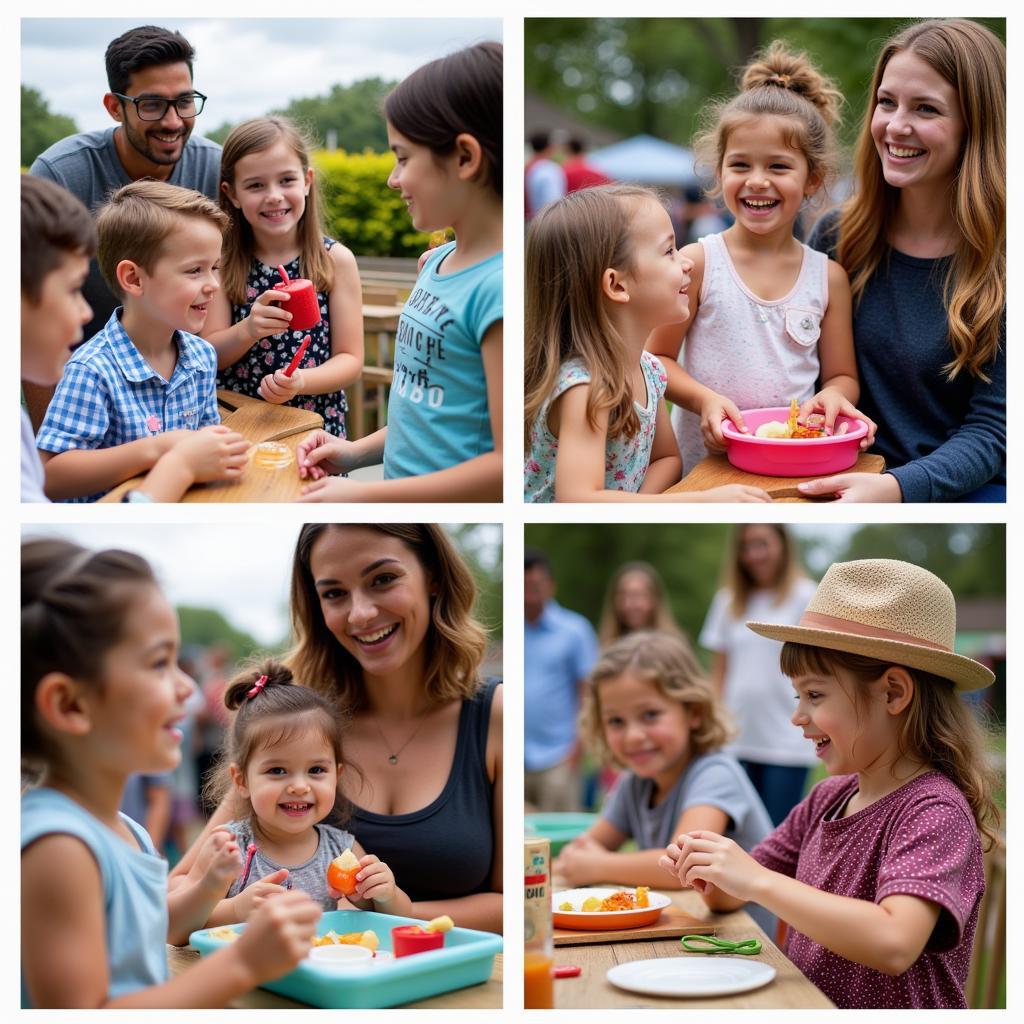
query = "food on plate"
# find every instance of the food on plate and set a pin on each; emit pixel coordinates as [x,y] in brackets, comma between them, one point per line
[341,873]
[642,899]
[224,933]
[439,924]
[619,900]
[590,905]
[565,906]
[791,429]
[369,939]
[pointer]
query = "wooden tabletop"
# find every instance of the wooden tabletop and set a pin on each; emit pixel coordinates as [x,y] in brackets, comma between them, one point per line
[381,318]
[477,997]
[258,421]
[717,470]
[592,990]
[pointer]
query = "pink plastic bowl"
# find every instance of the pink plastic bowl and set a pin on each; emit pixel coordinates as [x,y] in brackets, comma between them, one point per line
[811,456]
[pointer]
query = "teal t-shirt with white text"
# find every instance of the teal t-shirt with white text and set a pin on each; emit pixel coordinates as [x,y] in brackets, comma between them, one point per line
[438,414]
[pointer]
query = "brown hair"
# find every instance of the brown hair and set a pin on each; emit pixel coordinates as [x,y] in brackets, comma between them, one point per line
[255,136]
[279,711]
[778,83]
[736,577]
[455,640]
[569,245]
[611,626]
[938,728]
[54,225]
[973,61]
[73,605]
[455,95]
[138,218]
[667,661]
[144,47]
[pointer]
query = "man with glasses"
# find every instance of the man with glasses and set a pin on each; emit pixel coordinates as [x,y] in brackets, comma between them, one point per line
[152,99]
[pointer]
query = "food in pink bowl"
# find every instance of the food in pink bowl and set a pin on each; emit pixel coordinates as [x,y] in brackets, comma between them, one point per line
[791,456]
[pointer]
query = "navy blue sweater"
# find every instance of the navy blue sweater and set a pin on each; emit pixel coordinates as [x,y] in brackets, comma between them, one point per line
[941,439]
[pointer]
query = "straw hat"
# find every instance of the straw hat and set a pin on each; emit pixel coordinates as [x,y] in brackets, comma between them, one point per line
[892,611]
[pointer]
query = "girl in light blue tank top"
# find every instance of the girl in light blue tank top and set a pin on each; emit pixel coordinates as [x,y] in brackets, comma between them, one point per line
[102,698]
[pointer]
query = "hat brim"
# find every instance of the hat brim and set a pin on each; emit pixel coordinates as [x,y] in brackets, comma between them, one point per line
[965,673]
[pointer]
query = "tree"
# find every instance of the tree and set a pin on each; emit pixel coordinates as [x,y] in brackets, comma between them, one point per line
[40,127]
[207,627]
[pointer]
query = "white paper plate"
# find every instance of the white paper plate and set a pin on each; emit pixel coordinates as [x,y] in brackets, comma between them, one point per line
[692,975]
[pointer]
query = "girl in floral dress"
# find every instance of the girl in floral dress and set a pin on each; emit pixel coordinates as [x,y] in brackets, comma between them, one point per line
[268,189]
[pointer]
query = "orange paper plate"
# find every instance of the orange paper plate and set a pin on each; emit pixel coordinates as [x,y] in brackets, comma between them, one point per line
[604,920]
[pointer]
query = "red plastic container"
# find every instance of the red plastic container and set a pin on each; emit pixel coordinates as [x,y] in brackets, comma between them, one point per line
[771,456]
[302,303]
[408,939]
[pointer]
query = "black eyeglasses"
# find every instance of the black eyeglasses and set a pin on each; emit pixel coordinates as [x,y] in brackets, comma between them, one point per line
[154,108]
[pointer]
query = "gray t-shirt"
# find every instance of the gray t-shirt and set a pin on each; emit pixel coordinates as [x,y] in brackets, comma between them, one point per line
[310,877]
[715,779]
[87,165]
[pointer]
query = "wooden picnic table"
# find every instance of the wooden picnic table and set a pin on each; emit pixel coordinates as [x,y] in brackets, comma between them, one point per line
[258,421]
[477,997]
[717,470]
[591,989]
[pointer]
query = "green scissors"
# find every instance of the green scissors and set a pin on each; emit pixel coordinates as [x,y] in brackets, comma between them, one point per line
[713,944]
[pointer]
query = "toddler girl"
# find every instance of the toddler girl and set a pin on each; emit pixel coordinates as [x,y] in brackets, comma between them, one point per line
[602,272]
[443,437]
[649,708]
[878,872]
[282,760]
[769,316]
[268,189]
[102,697]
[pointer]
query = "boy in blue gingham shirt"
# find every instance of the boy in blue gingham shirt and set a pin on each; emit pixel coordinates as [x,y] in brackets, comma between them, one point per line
[130,391]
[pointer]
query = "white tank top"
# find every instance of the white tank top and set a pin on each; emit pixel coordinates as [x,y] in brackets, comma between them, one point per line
[757,352]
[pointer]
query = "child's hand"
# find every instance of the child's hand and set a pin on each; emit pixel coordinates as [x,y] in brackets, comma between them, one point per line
[322,454]
[706,857]
[266,319]
[669,860]
[855,487]
[733,492]
[831,402]
[277,388]
[252,897]
[279,936]
[375,880]
[578,863]
[221,862]
[335,488]
[213,453]
[713,410]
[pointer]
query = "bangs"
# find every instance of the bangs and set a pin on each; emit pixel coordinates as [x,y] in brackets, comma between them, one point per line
[277,729]
[799,659]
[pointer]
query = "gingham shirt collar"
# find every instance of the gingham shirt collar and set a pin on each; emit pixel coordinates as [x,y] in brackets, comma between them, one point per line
[131,362]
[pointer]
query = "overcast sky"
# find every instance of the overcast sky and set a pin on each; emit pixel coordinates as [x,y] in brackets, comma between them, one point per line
[246,67]
[242,569]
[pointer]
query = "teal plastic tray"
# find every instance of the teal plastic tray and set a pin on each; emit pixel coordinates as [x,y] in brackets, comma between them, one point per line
[559,828]
[466,959]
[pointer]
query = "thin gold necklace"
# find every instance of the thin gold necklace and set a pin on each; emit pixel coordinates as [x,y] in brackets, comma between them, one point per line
[393,757]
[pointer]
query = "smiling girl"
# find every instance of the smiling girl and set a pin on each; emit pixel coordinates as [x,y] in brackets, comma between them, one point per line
[269,191]
[769,317]
[650,709]
[878,872]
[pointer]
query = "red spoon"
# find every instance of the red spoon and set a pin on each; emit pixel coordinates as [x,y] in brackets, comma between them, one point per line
[297,358]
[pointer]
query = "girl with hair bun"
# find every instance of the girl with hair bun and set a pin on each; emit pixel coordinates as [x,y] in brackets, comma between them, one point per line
[282,760]
[769,316]
[924,239]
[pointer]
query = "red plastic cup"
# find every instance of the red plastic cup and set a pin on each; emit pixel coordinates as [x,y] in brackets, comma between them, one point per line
[302,302]
[408,939]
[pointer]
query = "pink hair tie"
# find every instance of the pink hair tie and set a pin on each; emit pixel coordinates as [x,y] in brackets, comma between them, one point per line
[260,683]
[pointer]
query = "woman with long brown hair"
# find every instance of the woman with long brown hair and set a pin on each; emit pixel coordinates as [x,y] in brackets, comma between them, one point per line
[761,579]
[383,623]
[635,599]
[923,239]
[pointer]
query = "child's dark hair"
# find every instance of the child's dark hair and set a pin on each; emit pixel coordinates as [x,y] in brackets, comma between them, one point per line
[73,606]
[269,708]
[455,95]
[54,225]
[778,83]
[147,46]
[939,728]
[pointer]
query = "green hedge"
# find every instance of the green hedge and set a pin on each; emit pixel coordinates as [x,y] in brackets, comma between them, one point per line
[361,210]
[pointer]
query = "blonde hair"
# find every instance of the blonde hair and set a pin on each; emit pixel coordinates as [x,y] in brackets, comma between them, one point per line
[137,220]
[737,579]
[611,627]
[667,662]
[778,83]
[973,61]
[938,728]
[255,136]
[455,642]
[569,245]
